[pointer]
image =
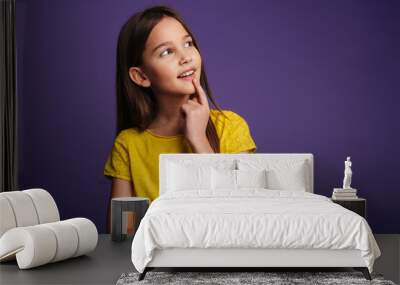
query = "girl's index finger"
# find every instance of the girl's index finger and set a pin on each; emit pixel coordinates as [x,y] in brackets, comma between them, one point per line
[201,95]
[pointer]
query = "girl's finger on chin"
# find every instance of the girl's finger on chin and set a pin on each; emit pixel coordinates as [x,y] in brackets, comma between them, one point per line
[194,82]
[201,95]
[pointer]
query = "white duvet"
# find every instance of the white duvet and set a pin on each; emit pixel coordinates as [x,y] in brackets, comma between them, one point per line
[250,218]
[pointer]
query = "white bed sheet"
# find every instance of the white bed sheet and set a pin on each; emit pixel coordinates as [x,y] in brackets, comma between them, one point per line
[250,218]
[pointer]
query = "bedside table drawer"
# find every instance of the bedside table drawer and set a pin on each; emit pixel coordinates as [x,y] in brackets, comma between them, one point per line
[358,206]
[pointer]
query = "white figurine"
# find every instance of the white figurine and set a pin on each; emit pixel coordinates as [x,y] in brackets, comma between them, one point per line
[347,174]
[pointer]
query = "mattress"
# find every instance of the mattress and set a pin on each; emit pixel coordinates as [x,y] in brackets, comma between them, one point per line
[250,218]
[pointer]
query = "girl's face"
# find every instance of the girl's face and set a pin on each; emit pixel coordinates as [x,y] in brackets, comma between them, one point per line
[169,51]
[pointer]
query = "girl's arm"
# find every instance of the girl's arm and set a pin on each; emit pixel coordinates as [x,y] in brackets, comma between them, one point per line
[120,188]
[201,146]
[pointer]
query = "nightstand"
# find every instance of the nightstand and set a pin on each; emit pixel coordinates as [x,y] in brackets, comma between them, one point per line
[120,207]
[357,205]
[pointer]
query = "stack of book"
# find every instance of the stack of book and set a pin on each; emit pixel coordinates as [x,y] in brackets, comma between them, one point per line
[343,194]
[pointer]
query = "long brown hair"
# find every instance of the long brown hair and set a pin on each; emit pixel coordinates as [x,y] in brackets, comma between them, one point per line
[136,105]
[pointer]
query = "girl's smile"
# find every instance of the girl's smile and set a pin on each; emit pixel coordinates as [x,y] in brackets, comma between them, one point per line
[188,75]
[188,78]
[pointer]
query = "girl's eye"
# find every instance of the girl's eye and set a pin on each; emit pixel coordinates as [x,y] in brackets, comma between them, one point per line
[191,42]
[162,54]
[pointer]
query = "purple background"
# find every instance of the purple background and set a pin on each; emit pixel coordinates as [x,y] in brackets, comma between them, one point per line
[318,77]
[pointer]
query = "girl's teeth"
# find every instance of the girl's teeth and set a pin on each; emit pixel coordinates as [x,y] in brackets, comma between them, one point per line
[187,74]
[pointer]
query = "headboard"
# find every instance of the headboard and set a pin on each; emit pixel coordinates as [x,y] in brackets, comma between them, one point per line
[214,157]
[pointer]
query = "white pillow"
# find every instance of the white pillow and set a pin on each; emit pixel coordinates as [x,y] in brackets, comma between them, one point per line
[223,178]
[236,179]
[282,174]
[251,178]
[181,177]
[198,160]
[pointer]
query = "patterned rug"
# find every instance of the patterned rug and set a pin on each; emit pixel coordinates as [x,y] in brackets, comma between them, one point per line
[270,278]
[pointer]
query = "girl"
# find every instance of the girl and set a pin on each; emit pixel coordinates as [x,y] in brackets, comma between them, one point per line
[162,104]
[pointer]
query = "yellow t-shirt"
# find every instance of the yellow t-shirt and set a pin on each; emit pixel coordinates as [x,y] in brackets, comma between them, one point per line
[134,155]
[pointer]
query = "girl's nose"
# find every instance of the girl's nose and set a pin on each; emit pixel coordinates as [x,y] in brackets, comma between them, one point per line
[185,59]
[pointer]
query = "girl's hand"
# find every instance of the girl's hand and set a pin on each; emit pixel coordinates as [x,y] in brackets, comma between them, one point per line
[197,113]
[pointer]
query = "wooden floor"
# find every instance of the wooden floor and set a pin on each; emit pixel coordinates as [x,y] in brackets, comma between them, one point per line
[110,260]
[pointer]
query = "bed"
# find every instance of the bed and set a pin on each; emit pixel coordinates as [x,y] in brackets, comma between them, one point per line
[247,210]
